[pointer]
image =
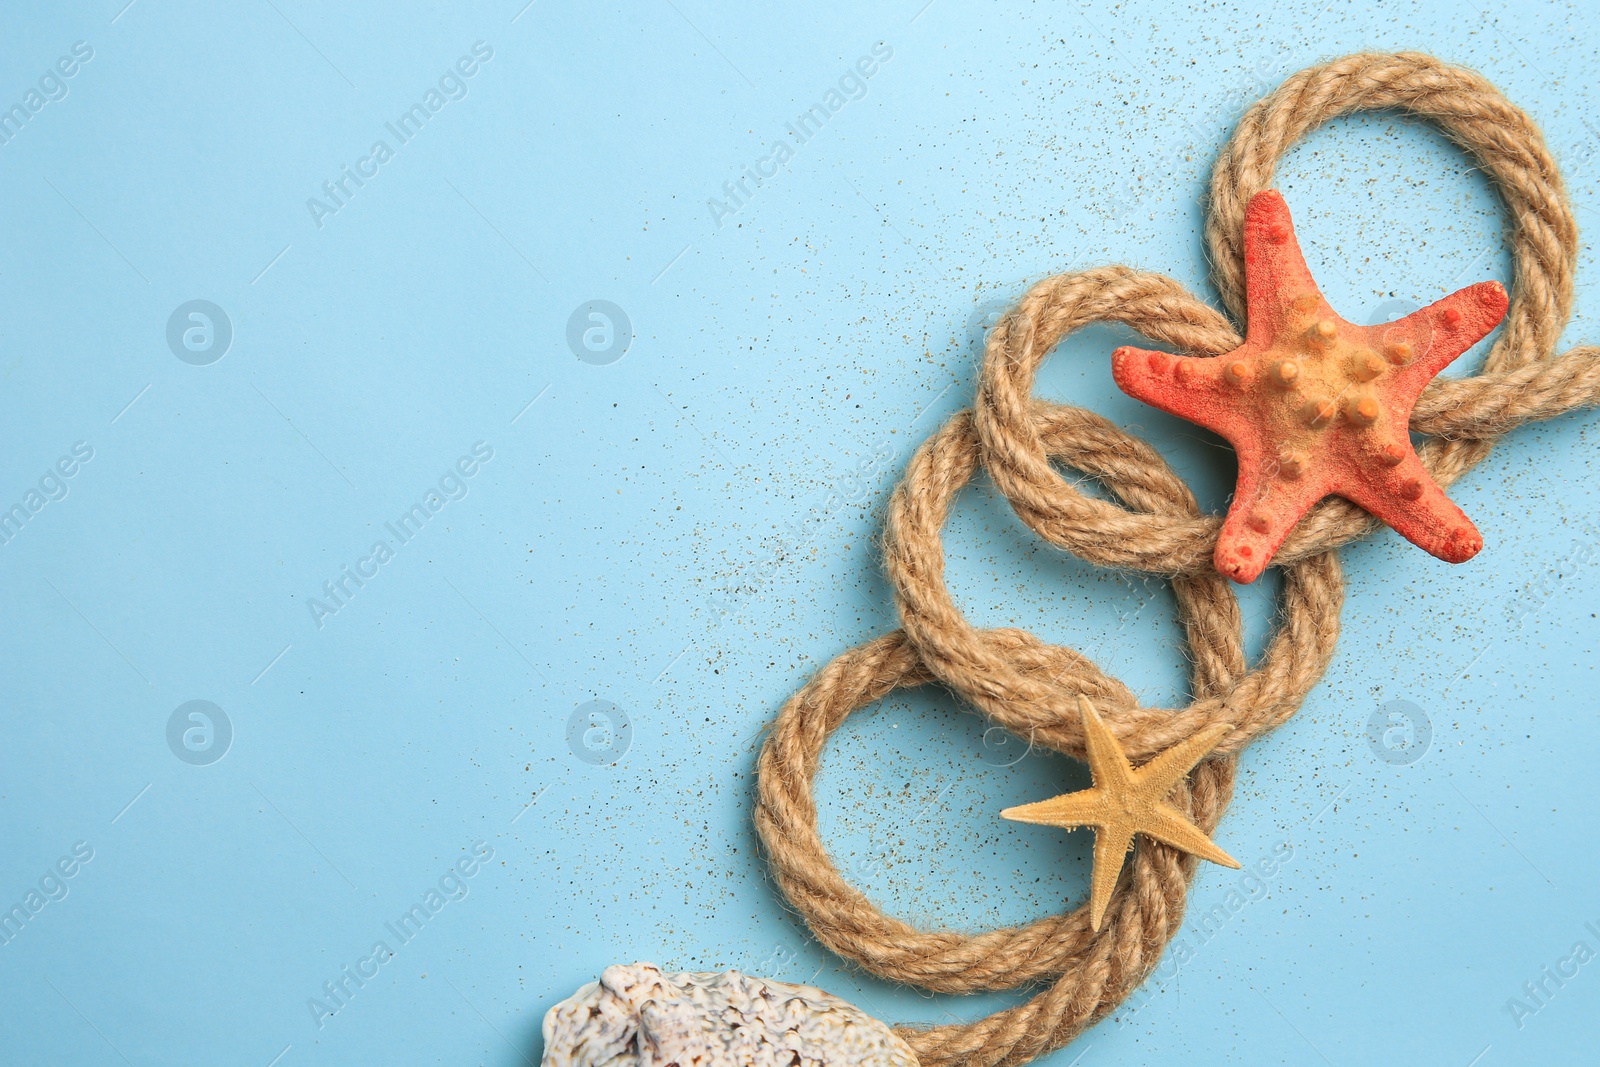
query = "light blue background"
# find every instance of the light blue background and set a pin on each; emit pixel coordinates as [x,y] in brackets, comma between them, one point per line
[627,541]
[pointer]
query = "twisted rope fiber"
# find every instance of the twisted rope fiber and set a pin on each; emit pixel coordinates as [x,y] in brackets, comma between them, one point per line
[1520,380]
[1153,525]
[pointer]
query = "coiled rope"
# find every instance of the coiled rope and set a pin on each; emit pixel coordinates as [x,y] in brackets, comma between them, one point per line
[1030,687]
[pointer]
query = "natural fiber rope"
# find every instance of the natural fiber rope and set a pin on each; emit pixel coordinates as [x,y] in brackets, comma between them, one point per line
[1030,687]
[1519,381]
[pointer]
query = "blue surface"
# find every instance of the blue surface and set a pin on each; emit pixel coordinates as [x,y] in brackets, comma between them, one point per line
[631,536]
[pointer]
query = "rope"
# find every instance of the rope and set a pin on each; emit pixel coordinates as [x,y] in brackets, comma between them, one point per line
[1153,525]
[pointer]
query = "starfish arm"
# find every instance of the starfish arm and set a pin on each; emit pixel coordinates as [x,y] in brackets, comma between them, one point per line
[1110,848]
[1410,502]
[1443,330]
[1264,508]
[1160,774]
[1107,763]
[1069,810]
[1183,386]
[1314,404]
[1275,271]
[1169,826]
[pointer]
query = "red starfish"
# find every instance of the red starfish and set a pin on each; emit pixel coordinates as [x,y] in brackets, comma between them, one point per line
[1315,405]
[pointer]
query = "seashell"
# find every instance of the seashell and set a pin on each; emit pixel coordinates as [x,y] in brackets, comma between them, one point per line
[638,1017]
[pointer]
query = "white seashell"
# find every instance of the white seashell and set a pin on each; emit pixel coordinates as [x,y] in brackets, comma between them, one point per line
[638,1017]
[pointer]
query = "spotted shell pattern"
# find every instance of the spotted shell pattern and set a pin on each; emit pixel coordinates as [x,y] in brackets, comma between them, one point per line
[638,1017]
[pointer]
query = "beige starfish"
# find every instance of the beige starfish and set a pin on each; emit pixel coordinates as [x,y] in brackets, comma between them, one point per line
[1127,801]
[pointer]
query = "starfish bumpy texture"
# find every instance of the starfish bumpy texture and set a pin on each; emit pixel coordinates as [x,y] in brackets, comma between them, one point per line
[1126,801]
[1315,405]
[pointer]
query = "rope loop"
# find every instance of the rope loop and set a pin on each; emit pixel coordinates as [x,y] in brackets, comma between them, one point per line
[1154,525]
[1520,381]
